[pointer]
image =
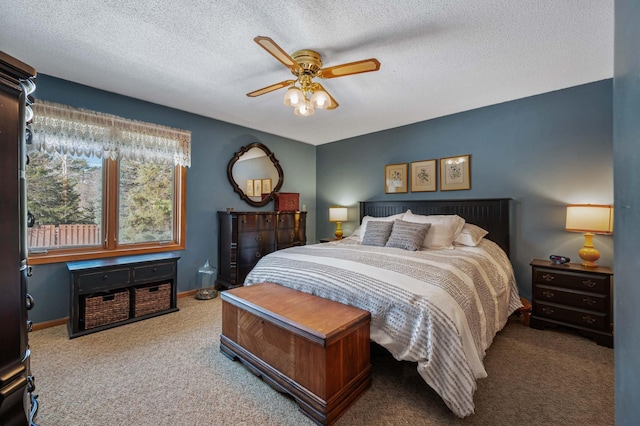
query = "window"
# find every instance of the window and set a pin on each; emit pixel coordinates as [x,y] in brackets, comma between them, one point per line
[100,188]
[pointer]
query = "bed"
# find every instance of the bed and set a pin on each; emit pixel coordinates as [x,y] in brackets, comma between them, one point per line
[439,306]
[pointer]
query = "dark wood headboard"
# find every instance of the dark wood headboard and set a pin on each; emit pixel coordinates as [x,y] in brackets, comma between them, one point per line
[490,214]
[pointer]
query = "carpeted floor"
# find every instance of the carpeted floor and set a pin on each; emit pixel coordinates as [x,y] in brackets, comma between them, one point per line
[168,370]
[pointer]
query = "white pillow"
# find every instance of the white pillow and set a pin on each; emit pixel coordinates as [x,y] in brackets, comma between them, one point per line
[444,228]
[471,235]
[359,233]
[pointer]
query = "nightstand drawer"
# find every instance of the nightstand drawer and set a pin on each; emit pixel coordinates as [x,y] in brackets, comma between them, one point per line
[578,299]
[589,319]
[577,281]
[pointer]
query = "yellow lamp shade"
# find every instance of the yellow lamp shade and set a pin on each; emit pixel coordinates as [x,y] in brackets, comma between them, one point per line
[597,219]
[589,219]
[338,215]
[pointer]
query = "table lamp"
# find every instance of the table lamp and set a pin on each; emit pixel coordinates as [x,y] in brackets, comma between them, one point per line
[338,215]
[590,219]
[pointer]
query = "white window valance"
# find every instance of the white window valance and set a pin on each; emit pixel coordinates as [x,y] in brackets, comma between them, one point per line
[66,130]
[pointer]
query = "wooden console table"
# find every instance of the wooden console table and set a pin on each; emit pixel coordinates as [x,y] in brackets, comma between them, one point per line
[110,292]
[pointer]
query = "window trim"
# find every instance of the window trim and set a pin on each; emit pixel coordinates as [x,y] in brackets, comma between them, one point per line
[110,218]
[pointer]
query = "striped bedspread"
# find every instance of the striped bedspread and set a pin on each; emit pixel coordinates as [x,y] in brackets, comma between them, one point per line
[439,308]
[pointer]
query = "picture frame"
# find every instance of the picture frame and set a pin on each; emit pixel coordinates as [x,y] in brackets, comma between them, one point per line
[395,178]
[423,176]
[455,173]
[266,186]
[249,188]
[257,187]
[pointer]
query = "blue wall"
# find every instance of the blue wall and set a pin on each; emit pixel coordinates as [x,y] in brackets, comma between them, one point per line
[213,144]
[543,152]
[626,157]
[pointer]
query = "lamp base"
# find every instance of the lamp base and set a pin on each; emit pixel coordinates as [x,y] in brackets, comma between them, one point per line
[589,254]
[339,232]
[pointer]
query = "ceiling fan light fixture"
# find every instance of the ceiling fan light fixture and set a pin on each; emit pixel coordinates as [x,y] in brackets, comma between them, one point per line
[294,97]
[305,110]
[303,94]
[320,99]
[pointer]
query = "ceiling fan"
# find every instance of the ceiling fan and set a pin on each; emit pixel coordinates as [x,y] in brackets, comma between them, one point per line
[304,94]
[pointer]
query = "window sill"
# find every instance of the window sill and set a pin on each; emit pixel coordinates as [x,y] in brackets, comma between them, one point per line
[60,257]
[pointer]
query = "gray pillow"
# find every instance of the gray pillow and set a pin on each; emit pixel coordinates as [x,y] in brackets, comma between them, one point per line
[377,233]
[408,235]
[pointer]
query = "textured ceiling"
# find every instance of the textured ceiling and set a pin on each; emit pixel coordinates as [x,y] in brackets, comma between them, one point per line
[437,57]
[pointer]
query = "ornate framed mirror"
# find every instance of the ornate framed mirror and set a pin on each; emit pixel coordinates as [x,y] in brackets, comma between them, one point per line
[255,174]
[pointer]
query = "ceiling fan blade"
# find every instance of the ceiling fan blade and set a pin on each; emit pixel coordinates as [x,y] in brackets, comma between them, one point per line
[271,88]
[270,46]
[366,65]
[334,103]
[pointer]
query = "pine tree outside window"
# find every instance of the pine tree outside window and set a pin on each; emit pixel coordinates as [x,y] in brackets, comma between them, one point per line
[100,185]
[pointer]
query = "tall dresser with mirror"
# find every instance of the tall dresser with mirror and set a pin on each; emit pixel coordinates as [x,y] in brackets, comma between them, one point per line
[17,399]
[245,237]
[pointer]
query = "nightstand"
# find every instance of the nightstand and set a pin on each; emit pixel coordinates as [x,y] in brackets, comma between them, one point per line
[573,296]
[328,240]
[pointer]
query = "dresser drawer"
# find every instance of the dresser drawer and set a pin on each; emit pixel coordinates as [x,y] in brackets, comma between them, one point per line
[289,236]
[256,239]
[153,272]
[291,220]
[104,280]
[577,281]
[250,256]
[253,222]
[578,299]
[589,319]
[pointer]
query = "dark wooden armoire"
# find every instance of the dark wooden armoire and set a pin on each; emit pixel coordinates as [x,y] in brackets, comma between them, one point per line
[17,399]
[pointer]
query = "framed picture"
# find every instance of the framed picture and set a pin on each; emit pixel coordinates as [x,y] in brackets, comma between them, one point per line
[266,186]
[455,173]
[257,187]
[395,178]
[249,188]
[423,176]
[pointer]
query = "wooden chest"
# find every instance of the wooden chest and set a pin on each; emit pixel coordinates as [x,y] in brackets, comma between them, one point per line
[314,349]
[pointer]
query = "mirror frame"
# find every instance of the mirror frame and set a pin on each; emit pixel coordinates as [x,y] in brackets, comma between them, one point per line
[239,190]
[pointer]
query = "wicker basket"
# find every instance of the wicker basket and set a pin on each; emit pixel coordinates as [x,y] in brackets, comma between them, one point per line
[106,309]
[150,299]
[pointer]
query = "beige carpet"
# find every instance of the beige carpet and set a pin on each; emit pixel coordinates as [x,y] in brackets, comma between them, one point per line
[168,370]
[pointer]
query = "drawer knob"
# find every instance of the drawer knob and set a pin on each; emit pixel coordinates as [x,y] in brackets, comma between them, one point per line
[548,277]
[155,269]
[548,294]
[589,283]
[258,237]
[258,255]
[291,235]
[105,276]
[589,301]
[589,319]
[547,311]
